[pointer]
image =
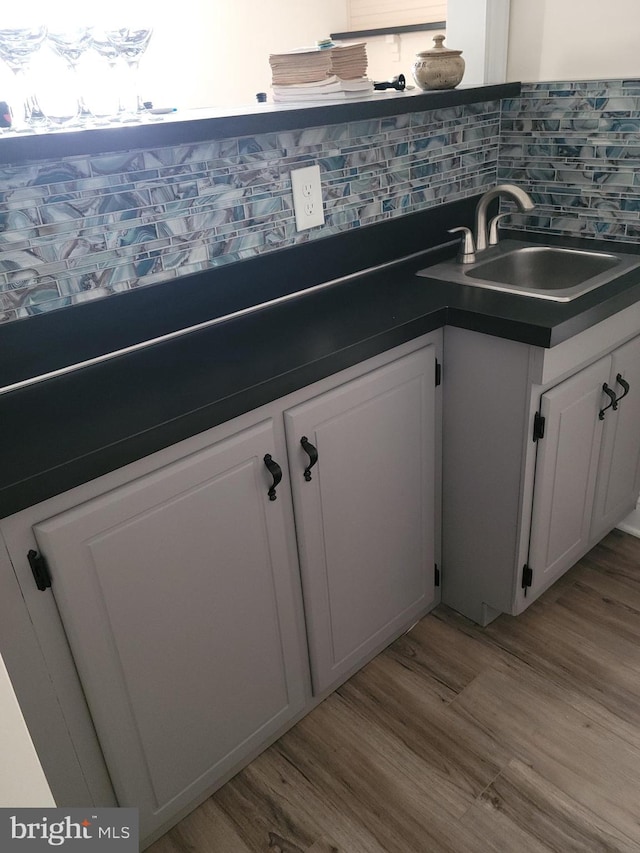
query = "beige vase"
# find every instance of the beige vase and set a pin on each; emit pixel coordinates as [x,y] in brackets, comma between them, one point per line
[438,68]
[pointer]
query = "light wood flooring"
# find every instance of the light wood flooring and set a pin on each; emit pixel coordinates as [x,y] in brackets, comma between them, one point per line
[521,737]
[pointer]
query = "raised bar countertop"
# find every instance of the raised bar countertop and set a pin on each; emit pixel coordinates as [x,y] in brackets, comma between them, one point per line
[204,125]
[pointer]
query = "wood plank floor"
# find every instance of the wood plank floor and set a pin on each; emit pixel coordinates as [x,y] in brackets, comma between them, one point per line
[522,737]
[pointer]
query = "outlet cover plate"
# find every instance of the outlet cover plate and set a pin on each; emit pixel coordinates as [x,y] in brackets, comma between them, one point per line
[307,197]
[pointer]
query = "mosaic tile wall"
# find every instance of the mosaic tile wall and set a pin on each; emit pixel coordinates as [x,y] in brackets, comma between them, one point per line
[87,227]
[575,147]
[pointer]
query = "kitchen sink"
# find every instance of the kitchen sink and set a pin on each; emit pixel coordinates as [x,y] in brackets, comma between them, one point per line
[545,272]
[545,268]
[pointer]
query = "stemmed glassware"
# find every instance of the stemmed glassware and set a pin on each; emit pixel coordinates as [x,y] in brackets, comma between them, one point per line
[131,43]
[16,48]
[70,44]
[108,51]
[103,101]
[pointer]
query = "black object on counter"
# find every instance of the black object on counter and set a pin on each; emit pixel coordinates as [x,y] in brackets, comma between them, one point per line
[398,83]
[261,97]
[5,114]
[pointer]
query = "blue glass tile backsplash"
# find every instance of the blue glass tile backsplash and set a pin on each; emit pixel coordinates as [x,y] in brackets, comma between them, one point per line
[575,147]
[86,227]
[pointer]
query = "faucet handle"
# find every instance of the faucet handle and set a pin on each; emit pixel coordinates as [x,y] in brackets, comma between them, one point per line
[493,228]
[467,251]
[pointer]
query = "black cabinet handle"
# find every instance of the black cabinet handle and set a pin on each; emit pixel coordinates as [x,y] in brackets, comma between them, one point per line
[312,453]
[276,472]
[625,387]
[40,570]
[612,405]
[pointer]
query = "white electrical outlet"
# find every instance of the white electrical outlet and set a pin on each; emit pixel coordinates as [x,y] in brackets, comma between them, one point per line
[307,197]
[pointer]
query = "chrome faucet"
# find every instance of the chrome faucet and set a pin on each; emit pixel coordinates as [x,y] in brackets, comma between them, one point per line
[469,247]
[510,191]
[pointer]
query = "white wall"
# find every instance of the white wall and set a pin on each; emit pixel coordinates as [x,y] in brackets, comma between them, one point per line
[225,47]
[22,782]
[573,40]
[480,29]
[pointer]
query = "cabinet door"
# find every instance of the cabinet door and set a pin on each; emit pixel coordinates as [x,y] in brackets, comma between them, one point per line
[365,519]
[183,613]
[618,481]
[565,475]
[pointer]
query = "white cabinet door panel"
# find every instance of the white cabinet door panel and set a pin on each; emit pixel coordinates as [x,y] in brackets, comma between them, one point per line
[365,521]
[181,607]
[565,475]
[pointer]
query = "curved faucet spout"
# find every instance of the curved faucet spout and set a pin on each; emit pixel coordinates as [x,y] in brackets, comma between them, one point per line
[521,198]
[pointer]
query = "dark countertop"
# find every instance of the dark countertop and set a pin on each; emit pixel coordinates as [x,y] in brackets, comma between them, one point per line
[191,126]
[66,430]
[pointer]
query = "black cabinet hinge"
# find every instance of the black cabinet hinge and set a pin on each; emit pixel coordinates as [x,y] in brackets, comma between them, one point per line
[527,577]
[538,426]
[436,575]
[438,373]
[40,570]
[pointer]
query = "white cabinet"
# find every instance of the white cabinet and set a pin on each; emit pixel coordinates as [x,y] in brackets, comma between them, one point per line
[177,585]
[365,514]
[588,464]
[520,509]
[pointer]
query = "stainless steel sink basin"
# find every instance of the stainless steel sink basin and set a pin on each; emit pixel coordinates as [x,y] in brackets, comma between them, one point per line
[545,268]
[544,272]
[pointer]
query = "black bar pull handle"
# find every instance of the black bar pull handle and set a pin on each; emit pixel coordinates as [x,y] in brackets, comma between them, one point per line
[312,453]
[276,472]
[625,387]
[612,405]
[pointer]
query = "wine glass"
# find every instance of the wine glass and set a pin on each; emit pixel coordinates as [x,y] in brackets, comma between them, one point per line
[71,44]
[16,48]
[108,51]
[131,43]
